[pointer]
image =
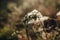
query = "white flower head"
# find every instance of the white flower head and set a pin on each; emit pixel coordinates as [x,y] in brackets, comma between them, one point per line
[33,12]
[44,18]
[31,21]
[58,13]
